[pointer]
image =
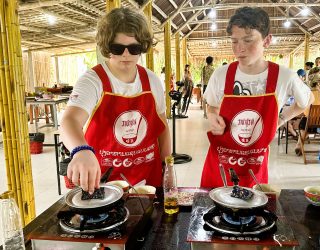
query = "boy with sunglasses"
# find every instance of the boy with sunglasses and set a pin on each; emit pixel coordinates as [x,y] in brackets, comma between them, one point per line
[244,100]
[121,107]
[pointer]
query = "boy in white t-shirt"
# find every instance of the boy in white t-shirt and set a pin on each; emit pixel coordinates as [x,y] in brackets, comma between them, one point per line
[121,107]
[245,98]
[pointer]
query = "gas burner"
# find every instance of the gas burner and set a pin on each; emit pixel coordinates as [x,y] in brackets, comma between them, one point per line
[77,223]
[237,221]
[226,224]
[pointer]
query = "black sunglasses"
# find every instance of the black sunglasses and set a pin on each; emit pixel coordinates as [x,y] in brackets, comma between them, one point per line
[118,49]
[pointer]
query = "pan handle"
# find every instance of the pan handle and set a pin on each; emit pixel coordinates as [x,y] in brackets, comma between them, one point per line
[106,175]
[223,175]
[234,176]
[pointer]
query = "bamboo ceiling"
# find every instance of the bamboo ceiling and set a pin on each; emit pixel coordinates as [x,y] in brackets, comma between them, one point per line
[74,30]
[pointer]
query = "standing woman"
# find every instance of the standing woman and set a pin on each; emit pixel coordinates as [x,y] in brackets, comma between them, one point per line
[245,98]
[116,113]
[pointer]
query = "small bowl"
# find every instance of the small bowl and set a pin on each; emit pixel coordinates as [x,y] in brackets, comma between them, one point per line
[312,194]
[121,184]
[143,190]
[268,189]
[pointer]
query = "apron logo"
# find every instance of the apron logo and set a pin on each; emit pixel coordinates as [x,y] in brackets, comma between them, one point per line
[130,128]
[246,127]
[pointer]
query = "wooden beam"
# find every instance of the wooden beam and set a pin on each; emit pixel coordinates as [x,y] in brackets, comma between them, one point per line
[189,19]
[230,6]
[40,4]
[71,20]
[175,12]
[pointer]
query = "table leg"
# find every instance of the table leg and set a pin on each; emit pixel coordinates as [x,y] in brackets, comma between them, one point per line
[55,116]
[56,148]
[287,137]
[35,115]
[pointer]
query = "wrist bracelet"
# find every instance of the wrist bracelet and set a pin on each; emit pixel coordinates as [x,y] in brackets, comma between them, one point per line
[80,148]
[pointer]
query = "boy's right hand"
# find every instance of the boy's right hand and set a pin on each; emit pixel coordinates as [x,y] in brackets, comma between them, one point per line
[85,167]
[217,124]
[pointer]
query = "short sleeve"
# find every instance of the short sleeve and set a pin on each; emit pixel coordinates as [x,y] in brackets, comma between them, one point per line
[157,91]
[86,92]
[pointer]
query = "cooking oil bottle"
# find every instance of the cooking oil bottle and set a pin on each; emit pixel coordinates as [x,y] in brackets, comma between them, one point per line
[170,190]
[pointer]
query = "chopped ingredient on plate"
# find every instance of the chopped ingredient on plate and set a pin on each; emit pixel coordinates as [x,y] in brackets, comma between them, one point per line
[241,193]
[185,198]
[97,194]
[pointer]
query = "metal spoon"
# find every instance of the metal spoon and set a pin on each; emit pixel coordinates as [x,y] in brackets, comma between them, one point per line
[255,179]
[223,175]
[131,186]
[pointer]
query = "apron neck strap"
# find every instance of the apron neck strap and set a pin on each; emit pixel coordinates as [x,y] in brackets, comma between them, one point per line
[273,72]
[144,78]
[103,77]
[231,73]
[106,82]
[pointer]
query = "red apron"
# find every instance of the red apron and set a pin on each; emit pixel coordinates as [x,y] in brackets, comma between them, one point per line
[124,132]
[251,123]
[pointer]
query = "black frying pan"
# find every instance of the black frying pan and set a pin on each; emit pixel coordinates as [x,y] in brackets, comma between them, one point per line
[113,195]
[234,206]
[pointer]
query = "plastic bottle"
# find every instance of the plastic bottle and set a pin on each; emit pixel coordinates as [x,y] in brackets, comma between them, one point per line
[11,231]
[170,190]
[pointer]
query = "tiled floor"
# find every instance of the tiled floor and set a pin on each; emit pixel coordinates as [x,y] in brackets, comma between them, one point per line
[285,170]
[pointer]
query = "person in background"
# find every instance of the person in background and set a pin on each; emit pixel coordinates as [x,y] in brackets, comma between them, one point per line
[206,73]
[116,113]
[302,74]
[307,67]
[315,88]
[187,74]
[317,62]
[188,86]
[314,70]
[163,77]
[314,74]
[244,100]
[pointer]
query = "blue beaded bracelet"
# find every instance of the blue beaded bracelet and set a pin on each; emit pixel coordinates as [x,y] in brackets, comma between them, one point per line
[79,148]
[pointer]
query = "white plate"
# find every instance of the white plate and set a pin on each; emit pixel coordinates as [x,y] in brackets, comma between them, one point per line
[223,197]
[112,194]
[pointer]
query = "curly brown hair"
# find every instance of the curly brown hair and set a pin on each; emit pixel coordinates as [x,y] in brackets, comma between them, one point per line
[123,20]
[250,18]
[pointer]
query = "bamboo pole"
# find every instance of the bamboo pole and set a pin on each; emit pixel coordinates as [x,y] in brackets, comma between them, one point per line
[167,64]
[112,4]
[149,56]
[306,48]
[25,160]
[178,57]
[291,60]
[14,118]
[184,51]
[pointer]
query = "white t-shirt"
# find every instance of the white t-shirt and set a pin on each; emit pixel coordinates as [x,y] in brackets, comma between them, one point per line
[289,84]
[88,89]
[163,80]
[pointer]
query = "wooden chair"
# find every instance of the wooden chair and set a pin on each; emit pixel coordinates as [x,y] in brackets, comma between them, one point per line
[313,122]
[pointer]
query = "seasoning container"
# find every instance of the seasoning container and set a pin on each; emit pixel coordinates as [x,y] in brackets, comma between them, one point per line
[170,190]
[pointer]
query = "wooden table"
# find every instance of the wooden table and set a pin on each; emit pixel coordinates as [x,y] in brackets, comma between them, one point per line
[53,103]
